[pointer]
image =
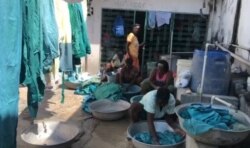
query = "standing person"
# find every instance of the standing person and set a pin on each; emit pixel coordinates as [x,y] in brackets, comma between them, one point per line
[156,105]
[133,46]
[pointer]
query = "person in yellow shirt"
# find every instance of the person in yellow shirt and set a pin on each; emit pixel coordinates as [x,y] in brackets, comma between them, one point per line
[133,46]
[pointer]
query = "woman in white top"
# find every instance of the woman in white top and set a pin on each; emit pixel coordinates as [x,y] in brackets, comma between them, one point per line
[156,104]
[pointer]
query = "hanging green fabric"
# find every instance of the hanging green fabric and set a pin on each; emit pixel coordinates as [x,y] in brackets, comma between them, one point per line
[80,41]
[40,47]
[33,54]
[10,59]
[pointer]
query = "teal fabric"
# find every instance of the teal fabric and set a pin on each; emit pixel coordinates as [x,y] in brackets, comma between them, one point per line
[40,45]
[50,33]
[10,60]
[80,41]
[200,119]
[33,54]
[87,100]
[165,138]
[109,91]
[87,89]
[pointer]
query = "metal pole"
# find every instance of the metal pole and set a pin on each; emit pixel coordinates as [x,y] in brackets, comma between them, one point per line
[171,41]
[233,55]
[203,71]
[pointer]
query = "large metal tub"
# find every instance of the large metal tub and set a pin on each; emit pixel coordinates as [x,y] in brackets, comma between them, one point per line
[72,85]
[130,91]
[215,136]
[143,127]
[108,110]
[50,134]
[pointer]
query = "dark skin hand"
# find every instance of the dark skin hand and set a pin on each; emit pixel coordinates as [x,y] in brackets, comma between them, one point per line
[169,120]
[151,126]
[174,125]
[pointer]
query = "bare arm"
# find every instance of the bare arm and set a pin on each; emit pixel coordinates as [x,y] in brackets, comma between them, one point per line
[120,76]
[152,79]
[151,126]
[127,48]
[170,79]
[171,120]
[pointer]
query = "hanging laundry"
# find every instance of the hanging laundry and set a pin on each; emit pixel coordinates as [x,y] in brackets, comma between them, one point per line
[66,57]
[151,19]
[80,41]
[118,26]
[40,45]
[33,55]
[50,33]
[196,32]
[10,60]
[162,18]
[65,35]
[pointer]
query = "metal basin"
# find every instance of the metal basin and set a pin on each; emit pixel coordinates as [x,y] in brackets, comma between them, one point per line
[108,110]
[131,91]
[72,85]
[50,134]
[143,127]
[215,136]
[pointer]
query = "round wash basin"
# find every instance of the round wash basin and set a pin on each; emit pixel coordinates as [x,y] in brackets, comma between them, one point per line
[50,134]
[109,110]
[131,91]
[216,136]
[160,126]
[72,85]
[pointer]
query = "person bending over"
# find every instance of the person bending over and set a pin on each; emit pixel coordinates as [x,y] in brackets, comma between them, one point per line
[156,104]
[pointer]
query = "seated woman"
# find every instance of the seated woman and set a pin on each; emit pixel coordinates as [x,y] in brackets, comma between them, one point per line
[156,104]
[128,74]
[159,77]
[115,63]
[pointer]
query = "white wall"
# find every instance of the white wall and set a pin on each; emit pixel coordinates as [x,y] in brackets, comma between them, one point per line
[94,21]
[222,21]
[243,36]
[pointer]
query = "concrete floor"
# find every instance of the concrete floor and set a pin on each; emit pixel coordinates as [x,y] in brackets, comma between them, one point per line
[98,133]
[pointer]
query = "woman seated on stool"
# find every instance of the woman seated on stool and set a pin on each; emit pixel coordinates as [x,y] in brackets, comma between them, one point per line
[128,74]
[115,63]
[159,77]
[156,104]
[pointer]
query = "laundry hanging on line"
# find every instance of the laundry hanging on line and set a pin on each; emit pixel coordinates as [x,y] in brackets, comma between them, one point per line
[40,48]
[10,60]
[158,18]
[80,41]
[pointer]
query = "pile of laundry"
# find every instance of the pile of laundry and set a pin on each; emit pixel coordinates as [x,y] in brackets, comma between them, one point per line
[201,118]
[93,91]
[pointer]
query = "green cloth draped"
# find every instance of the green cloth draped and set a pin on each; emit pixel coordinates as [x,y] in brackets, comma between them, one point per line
[109,91]
[40,45]
[33,54]
[80,41]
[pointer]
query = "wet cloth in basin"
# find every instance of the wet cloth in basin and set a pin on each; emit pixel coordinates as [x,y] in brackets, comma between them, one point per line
[200,119]
[165,138]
